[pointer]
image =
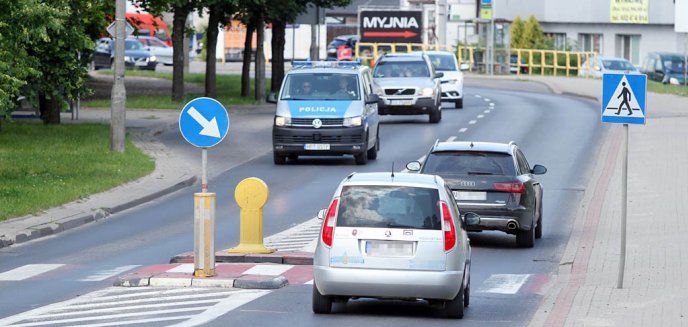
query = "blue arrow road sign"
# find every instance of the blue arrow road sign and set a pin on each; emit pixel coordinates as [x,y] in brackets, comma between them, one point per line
[204,122]
[623,98]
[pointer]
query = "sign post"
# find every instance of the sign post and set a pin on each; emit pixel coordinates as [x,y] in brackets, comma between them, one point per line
[623,102]
[204,123]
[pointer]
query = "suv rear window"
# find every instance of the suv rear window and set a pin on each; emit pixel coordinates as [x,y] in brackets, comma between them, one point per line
[389,207]
[401,69]
[469,163]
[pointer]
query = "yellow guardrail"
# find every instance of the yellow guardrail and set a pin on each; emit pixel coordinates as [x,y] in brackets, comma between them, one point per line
[548,62]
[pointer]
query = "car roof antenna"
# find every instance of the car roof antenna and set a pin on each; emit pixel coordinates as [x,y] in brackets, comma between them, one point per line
[392,169]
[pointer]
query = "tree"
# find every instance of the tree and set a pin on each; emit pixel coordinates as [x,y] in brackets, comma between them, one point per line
[517,29]
[219,13]
[533,37]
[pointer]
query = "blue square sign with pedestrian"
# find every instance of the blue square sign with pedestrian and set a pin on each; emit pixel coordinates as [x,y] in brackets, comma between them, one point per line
[204,122]
[623,98]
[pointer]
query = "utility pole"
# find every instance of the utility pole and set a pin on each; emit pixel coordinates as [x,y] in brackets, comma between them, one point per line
[119,93]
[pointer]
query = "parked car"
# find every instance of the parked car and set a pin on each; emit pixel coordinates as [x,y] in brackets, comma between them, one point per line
[135,54]
[408,85]
[393,236]
[157,48]
[493,180]
[599,66]
[664,67]
[513,67]
[348,41]
[452,81]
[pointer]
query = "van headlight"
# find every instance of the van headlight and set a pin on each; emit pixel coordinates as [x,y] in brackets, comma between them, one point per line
[282,121]
[427,92]
[674,81]
[353,121]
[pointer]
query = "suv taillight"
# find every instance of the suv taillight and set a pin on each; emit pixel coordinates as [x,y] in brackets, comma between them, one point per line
[328,224]
[509,187]
[448,227]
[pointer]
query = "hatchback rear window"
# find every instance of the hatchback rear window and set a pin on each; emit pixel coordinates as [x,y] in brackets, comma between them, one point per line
[469,163]
[389,207]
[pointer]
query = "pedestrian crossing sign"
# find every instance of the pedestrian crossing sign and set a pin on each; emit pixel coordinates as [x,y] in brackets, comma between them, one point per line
[623,98]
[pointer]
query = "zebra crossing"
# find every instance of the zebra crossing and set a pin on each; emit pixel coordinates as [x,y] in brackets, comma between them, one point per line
[117,306]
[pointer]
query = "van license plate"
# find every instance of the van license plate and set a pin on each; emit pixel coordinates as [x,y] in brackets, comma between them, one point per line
[389,249]
[317,146]
[470,196]
[402,102]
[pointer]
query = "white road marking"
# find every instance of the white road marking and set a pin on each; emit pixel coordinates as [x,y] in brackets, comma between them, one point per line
[187,268]
[463,130]
[268,270]
[451,139]
[491,104]
[481,116]
[105,274]
[487,111]
[310,282]
[504,283]
[472,122]
[486,100]
[478,96]
[28,271]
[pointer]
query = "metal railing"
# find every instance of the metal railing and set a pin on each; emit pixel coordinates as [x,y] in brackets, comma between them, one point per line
[370,51]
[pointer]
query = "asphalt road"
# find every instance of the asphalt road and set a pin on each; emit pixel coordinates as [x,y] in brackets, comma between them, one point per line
[559,132]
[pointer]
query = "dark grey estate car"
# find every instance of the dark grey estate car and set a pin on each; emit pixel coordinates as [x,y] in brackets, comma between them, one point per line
[493,180]
[408,85]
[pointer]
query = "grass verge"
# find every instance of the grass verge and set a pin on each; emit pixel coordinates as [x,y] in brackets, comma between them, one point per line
[658,87]
[228,92]
[42,166]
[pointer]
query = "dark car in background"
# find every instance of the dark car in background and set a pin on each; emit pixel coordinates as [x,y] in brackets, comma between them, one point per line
[135,55]
[665,67]
[348,41]
[495,181]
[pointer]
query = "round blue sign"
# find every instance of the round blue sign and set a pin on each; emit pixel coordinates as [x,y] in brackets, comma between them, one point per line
[204,122]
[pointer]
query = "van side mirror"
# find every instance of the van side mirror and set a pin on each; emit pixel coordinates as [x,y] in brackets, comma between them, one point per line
[322,213]
[538,170]
[439,75]
[471,219]
[413,166]
[271,98]
[372,98]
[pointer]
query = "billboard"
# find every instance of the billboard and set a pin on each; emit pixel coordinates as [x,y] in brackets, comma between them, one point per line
[387,26]
[625,11]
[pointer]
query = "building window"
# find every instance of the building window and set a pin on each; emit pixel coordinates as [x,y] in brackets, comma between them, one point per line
[590,42]
[558,40]
[628,46]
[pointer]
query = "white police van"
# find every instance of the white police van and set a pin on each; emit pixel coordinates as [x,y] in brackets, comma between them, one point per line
[325,109]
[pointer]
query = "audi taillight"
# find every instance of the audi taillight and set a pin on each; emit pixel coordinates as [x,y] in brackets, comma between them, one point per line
[328,224]
[448,228]
[516,187]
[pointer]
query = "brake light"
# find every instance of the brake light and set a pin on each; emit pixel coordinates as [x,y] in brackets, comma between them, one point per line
[328,224]
[509,187]
[448,228]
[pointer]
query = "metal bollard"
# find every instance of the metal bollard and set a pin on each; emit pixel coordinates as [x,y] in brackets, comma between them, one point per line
[251,195]
[204,234]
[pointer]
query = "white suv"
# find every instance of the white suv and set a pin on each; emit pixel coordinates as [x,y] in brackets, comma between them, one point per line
[393,236]
[452,81]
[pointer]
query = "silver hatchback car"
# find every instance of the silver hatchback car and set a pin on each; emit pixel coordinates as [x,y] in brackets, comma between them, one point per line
[393,236]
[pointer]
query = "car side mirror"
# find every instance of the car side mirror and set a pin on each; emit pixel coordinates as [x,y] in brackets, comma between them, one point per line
[372,98]
[322,213]
[538,170]
[439,75]
[271,98]
[471,219]
[413,166]
[464,66]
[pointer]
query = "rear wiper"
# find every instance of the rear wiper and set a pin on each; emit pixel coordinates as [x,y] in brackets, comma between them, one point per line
[480,173]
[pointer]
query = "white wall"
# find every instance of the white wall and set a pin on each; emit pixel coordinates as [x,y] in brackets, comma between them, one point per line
[302,36]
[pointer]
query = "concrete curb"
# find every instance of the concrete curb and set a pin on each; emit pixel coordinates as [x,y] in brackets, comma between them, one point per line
[280,257]
[188,280]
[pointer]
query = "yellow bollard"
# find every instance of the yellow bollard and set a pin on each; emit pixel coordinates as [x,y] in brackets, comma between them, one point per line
[251,195]
[204,234]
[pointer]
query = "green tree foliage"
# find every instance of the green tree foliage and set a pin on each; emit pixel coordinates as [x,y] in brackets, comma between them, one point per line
[533,37]
[517,30]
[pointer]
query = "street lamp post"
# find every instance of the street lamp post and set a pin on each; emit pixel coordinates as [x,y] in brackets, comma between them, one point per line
[119,93]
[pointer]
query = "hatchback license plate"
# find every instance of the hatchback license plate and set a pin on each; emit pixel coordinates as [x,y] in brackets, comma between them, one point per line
[317,146]
[402,102]
[389,249]
[470,196]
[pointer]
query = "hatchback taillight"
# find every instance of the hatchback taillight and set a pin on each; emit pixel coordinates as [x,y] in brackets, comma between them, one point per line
[509,187]
[328,224]
[448,227]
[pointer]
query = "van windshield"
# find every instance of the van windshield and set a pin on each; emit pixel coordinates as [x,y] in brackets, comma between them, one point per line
[321,86]
[389,207]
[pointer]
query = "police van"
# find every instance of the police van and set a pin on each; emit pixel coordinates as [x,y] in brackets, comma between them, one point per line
[324,109]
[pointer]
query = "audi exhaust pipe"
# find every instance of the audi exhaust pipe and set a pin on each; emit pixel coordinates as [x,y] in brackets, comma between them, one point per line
[511,225]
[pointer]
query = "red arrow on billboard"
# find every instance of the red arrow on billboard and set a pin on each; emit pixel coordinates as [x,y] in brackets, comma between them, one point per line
[404,34]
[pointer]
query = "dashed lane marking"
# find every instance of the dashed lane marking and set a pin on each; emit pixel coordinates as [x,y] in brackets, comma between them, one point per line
[481,116]
[486,100]
[451,139]
[105,274]
[463,130]
[492,104]
[28,271]
[478,96]
[487,111]
[472,122]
